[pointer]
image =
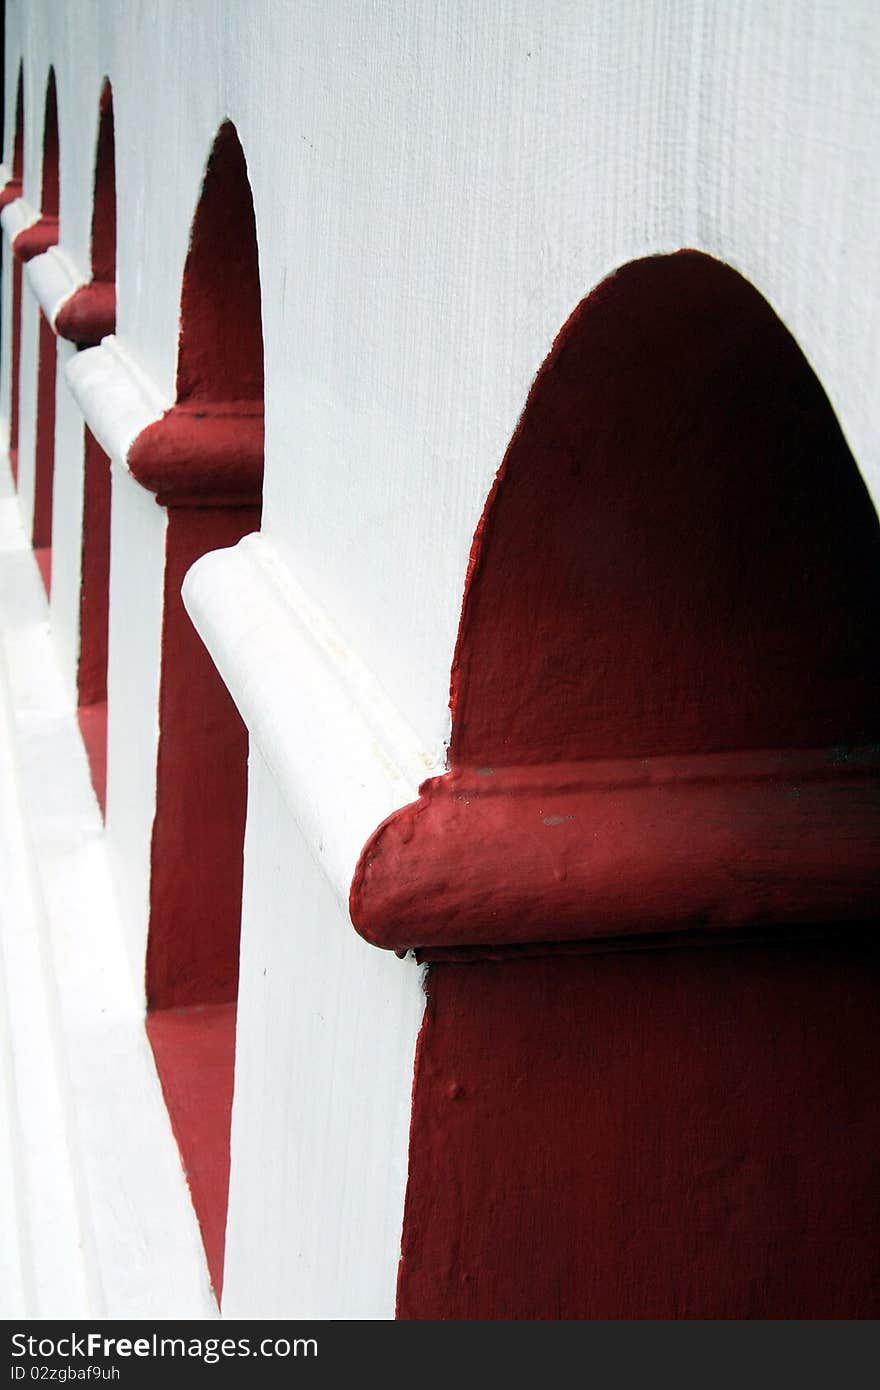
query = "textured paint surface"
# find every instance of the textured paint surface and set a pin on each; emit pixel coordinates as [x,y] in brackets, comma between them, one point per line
[679,554]
[194,1050]
[323,1088]
[101,1221]
[44,458]
[195,889]
[37,238]
[683,1134]
[94,612]
[207,451]
[430,205]
[50,181]
[92,721]
[569,851]
[203,454]
[678,558]
[221,338]
[90,314]
[8,195]
[104,203]
[138,532]
[15,362]
[204,460]
[675,573]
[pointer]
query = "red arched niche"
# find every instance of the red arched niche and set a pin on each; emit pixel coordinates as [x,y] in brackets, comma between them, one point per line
[220,357]
[28,243]
[678,555]
[90,313]
[648,884]
[8,195]
[87,317]
[204,461]
[673,587]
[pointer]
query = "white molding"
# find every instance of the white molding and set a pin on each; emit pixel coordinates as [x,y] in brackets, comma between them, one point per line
[343,756]
[16,216]
[5,174]
[53,277]
[116,396]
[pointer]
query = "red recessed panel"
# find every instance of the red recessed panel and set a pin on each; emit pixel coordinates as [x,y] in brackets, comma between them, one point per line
[665,723]
[95,574]
[201,792]
[44,475]
[676,1134]
[93,727]
[679,554]
[203,461]
[195,1056]
[14,395]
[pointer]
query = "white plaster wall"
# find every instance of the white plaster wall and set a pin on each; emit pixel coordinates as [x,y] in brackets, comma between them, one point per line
[137,566]
[27,404]
[67,514]
[326,1034]
[436,186]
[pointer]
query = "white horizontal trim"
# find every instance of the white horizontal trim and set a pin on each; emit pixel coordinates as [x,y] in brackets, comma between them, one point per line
[343,756]
[117,398]
[16,216]
[53,278]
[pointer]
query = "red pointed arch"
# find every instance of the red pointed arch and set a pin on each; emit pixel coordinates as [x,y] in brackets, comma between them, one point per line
[221,337]
[87,317]
[204,462]
[666,662]
[90,314]
[33,241]
[679,554]
[51,182]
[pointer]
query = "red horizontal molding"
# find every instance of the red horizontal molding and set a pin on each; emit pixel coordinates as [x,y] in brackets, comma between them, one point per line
[9,193]
[36,239]
[205,454]
[576,851]
[89,314]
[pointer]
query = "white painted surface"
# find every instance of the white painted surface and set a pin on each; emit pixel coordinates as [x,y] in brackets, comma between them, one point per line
[16,216]
[137,567]
[117,400]
[342,756]
[53,1270]
[53,277]
[115,394]
[436,187]
[97,1210]
[326,1034]
[27,404]
[67,514]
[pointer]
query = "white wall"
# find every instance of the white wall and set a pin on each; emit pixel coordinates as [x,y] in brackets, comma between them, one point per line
[137,567]
[27,404]
[326,1035]
[436,187]
[67,514]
